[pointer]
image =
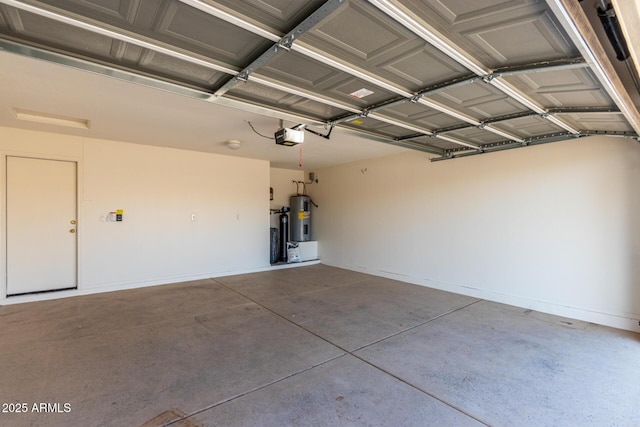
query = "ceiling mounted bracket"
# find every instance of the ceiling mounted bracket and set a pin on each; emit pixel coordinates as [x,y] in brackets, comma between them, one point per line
[286,42]
[243,76]
[489,77]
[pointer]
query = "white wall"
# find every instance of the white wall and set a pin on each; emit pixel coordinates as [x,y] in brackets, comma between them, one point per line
[158,189]
[552,228]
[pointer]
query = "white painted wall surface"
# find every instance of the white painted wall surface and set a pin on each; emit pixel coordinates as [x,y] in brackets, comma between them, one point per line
[552,228]
[159,189]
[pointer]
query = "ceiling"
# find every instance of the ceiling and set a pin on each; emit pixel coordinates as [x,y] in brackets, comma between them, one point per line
[367,78]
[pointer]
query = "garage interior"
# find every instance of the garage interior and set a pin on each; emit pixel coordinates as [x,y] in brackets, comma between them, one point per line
[473,251]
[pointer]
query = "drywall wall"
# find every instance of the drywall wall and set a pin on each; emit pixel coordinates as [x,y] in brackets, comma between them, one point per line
[552,228]
[160,191]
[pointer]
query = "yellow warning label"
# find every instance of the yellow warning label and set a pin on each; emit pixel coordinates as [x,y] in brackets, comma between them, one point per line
[300,214]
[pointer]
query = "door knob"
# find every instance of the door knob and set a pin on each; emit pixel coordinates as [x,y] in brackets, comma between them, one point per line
[73,230]
[72,222]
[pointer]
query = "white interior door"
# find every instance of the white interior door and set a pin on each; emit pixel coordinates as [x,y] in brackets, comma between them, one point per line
[41,225]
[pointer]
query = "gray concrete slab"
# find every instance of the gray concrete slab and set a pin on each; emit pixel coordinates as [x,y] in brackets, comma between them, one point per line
[363,312]
[181,365]
[513,367]
[154,356]
[342,392]
[86,315]
[268,285]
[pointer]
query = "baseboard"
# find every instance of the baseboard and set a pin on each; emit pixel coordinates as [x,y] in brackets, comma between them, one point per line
[113,287]
[626,321]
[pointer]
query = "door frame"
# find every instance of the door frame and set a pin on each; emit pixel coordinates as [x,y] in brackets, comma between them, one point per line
[3,224]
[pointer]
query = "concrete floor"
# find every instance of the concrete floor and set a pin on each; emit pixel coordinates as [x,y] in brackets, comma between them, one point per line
[309,346]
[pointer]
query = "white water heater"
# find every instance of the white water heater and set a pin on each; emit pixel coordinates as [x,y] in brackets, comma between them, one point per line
[300,219]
